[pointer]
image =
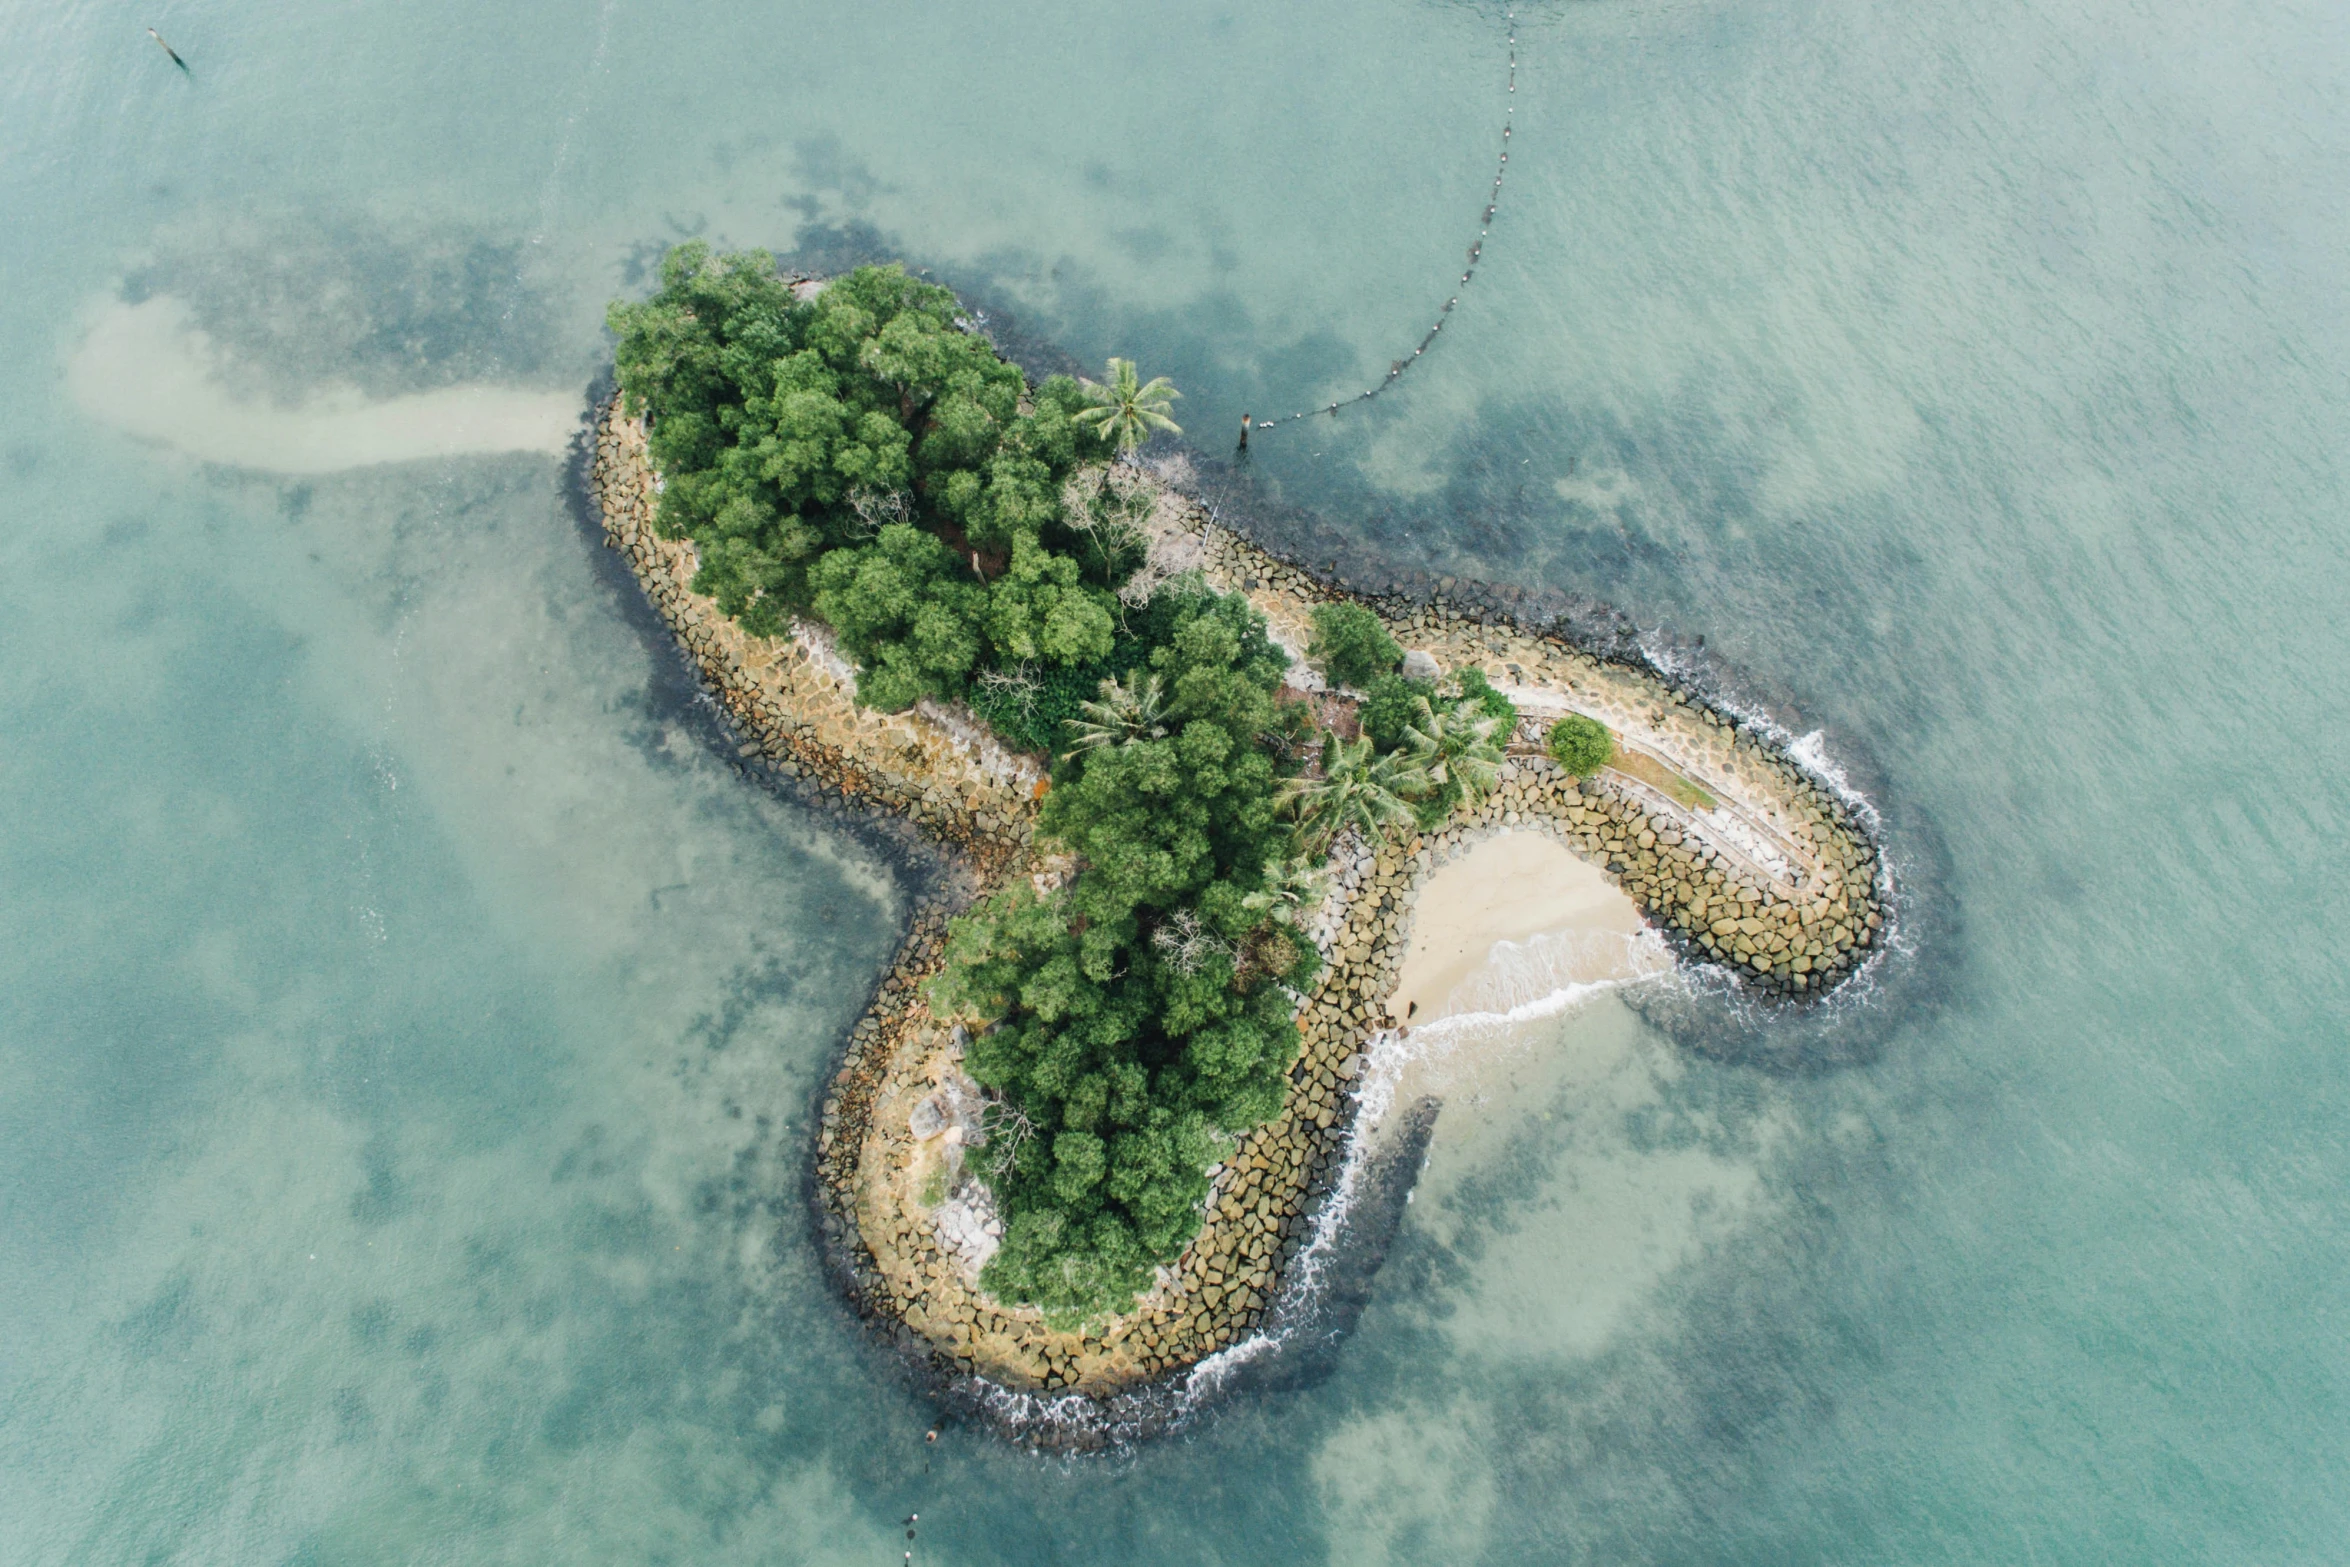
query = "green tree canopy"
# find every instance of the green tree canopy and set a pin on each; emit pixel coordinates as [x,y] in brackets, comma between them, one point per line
[1350,645]
[789,431]
[906,609]
[1141,1015]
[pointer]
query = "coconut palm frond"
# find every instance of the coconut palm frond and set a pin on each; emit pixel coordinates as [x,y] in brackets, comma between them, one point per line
[1397,775]
[1128,710]
[1455,744]
[1125,410]
[1358,788]
[1292,888]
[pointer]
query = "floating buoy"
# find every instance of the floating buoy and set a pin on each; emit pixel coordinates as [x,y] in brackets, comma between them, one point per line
[1476,252]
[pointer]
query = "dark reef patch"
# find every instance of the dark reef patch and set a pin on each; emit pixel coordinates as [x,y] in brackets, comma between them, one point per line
[304,299]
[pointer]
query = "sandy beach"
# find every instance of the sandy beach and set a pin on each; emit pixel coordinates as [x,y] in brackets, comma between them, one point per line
[1515,931]
[1513,887]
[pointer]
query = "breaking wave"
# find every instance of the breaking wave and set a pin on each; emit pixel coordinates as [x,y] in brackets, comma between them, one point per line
[1354,1214]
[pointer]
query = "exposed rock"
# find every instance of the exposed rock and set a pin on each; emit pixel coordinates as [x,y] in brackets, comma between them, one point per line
[930,1117]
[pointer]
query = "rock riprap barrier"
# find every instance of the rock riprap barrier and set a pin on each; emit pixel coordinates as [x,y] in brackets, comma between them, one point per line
[1737,855]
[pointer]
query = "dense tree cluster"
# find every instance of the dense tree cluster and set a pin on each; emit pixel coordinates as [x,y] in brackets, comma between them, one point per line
[1139,1018]
[862,456]
[1388,705]
[1444,738]
[1390,701]
[1144,1014]
[1032,703]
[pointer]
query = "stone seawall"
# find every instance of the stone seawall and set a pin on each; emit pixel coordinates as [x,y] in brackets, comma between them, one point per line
[793,704]
[1729,847]
[794,701]
[1741,858]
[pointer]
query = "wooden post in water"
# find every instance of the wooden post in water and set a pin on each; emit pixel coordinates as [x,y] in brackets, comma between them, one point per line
[168,49]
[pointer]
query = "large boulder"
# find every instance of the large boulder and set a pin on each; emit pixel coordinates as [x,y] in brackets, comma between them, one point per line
[931,1117]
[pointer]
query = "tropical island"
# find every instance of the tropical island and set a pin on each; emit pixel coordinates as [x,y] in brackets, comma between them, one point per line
[1071,1147]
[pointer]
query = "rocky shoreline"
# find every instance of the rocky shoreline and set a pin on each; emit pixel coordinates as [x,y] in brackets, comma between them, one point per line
[1735,854]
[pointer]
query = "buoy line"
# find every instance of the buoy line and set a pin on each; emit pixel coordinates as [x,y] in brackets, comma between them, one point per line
[1396,369]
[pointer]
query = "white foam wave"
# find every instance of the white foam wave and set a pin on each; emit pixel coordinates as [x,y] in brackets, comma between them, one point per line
[1809,752]
[1544,975]
[1520,984]
[1387,1056]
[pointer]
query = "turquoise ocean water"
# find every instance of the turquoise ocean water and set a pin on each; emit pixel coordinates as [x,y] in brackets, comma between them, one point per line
[408,1021]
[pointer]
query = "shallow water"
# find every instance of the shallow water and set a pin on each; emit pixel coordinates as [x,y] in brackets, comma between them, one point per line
[410,1021]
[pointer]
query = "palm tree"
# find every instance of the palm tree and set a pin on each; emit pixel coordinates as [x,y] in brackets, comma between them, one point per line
[1128,710]
[1126,411]
[1358,788]
[1455,745]
[1291,888]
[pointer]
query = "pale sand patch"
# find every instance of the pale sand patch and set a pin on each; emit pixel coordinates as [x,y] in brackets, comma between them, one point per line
[1513,887]
[1617,1178]
[147,371]
[1507,938]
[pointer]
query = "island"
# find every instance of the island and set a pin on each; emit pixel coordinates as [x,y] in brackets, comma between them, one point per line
[1225,829]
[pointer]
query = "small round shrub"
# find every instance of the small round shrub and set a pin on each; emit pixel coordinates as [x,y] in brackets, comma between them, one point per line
[1350,645]
[1388,705]
[1581,745]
